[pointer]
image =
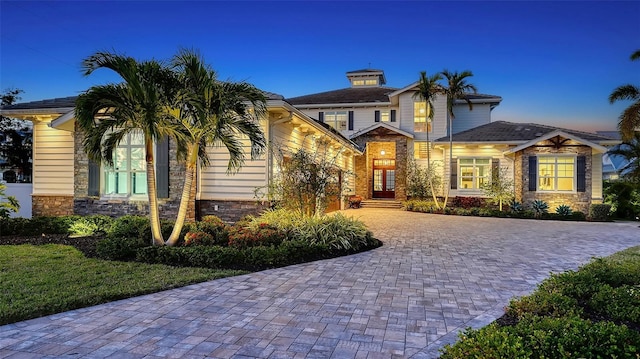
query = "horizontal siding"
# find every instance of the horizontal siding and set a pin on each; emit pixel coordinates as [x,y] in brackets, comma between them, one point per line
[596,176]
[439,119]
[363,117]
[53,158]
[216,184]
[467,119]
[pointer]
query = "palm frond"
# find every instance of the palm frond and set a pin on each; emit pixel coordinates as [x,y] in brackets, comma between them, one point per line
[625,92]
[629,122]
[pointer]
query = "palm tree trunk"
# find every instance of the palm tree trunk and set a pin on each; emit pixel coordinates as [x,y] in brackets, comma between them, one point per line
[446,197]
[185,199]
[154,213]
[433,192]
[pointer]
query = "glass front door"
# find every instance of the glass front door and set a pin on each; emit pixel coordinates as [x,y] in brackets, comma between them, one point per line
[384,178]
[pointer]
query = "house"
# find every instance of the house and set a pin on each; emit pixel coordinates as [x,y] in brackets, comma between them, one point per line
[378,130]
[390,125]
[66,182]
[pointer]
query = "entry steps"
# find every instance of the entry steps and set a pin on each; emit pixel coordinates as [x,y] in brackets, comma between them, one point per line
[380,203]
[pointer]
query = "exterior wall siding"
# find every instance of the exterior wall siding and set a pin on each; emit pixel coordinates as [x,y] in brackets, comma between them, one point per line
[467,119]
[229,211]
[578,201]
[83,204]
[53,157]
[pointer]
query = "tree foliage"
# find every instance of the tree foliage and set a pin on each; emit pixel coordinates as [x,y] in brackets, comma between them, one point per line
[423,181]
[8,204]
[499,187]
[306,181]
[630,118]
[15,139]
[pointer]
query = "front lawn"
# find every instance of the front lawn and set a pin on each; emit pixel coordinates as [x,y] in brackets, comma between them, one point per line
[53,278]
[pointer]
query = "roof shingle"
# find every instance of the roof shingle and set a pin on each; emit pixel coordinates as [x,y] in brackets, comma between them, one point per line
[503,131]
[345,95]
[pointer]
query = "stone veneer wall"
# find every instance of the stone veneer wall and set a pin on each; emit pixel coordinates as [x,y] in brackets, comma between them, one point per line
[395,147]
[229,211]
[86,205]
[578,201]
[51,205]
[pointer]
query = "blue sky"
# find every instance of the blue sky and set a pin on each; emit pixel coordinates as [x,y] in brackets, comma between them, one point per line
[552,62]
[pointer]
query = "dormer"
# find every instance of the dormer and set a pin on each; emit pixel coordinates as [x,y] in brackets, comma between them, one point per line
[366,78]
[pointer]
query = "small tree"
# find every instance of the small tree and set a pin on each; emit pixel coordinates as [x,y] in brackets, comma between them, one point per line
[423,182]
[306,180]
[500,187]
[8,204]
[15,138]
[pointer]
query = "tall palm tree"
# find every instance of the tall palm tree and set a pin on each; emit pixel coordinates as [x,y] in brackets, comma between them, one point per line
[630,150]
[214,113]
[457,88]
[107,114]
[630,117]
[428,89]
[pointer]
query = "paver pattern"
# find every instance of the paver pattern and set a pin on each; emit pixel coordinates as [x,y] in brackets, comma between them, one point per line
[434,276]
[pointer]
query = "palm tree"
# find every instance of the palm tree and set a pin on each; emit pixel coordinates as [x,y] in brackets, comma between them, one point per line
[457,88]
[630,150]
[630,117]
[214,113]
[107,114]
[428,88]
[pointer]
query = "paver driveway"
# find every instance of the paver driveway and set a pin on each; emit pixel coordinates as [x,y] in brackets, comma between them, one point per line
[434,275]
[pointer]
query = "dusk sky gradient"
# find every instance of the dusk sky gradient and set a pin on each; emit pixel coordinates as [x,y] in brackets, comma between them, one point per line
[552,62]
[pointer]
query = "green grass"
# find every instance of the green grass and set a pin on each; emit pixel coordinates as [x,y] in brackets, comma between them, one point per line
[48,279]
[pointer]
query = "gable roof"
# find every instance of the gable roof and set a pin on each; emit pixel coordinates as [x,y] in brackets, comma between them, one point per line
[474,97]
[503,131]
[381,125]
[345,95]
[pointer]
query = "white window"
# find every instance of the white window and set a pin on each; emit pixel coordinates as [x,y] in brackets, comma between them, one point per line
[556,173]
[371,82]
[358,82]
[385,115]
[336,119]
[474,172]
[421,122]
[128,176]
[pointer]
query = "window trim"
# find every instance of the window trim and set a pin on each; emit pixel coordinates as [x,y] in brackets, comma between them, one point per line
[105,170]
[574,184]
[473,177]
[427,121]
[333,123]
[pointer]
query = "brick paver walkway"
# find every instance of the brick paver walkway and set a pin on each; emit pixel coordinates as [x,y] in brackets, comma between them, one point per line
[434,275]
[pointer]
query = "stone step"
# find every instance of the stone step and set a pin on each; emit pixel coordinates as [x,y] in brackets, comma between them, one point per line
[380,203]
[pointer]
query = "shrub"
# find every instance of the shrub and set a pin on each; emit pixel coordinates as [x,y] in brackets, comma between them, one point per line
[130,227]
[214,226]
[468,202]
[539,207]
[119,248]
[600,212]
[415,205]
[564,210]
[516,206]
[578,216]
[91,225]
[198,238]
[539,337]
[262,235]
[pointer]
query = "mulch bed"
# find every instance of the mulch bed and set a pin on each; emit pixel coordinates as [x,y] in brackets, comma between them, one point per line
[86,245]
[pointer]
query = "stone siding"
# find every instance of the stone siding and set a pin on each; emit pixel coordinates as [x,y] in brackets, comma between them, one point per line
[44,205]
[578,201]
[86,205]
[395,147]
[229,211]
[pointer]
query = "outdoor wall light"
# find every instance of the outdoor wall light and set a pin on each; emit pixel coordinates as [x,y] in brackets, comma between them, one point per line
[382,153]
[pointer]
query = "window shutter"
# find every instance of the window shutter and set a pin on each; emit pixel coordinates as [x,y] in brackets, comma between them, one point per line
[162,168]
[350,120]
[454,174]
[377,116]
[533,173]
[320,116]
[581,171]
[93,179]
[393,115]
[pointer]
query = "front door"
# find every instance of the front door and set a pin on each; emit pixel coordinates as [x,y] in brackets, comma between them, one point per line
[384,178]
